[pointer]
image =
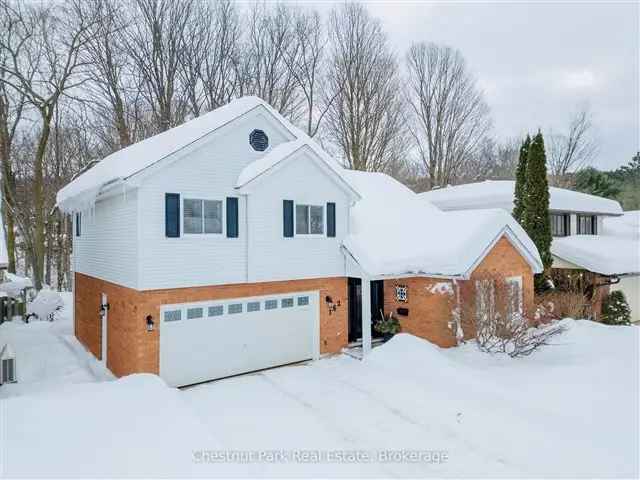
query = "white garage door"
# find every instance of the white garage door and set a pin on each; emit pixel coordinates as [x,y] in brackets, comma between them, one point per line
[207,340]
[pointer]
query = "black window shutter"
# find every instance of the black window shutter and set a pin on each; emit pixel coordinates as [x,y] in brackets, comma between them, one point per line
[232,217]
[172,215]
[331,219]
[594,225]
[567,225]
[78,224]
[287,218]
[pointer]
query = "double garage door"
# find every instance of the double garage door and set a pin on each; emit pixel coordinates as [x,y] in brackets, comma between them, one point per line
[219,338]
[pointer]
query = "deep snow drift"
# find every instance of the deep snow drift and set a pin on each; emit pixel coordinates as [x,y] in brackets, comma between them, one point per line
[569,410]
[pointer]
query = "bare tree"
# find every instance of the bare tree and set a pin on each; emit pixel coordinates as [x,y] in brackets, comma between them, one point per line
[155,43]
[307,63]
[219,70]
[270,45]
[573,150]
[43,45]
[449,117]
[365,116]
[12,107]
[113,89]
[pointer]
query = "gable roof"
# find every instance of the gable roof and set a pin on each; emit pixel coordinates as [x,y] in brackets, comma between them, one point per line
[277,157]
[500,193]
[394,232]
[121,165]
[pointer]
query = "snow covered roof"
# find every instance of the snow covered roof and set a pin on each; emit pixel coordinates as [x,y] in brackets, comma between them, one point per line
[83,190]
[603,254]
[499,194]
[627,225]
[276,157]
[394,232]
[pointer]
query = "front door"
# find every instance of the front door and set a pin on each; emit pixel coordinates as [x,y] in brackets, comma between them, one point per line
[355,307]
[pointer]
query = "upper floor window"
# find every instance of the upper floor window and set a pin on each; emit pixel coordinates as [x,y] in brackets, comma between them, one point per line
[202,216]
[309,219]
[560,225]
[587,225]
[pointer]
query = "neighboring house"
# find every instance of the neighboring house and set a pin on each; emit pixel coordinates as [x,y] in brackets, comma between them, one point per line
[234,243]
[627,228]
[578,223]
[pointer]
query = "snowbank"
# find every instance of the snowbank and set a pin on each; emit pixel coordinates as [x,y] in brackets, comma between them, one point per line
[499,194]
[46,303]
[133,427]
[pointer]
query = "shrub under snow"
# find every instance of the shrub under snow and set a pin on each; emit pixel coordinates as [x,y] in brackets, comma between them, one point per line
[14,284]
[44,306]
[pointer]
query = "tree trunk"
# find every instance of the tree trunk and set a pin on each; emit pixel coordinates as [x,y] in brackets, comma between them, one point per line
[39,203]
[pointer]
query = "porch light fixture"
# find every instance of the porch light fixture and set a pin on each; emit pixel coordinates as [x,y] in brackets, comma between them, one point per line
[150,323]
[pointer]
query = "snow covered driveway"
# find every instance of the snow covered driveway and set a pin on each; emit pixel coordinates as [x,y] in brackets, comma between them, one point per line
[570,410]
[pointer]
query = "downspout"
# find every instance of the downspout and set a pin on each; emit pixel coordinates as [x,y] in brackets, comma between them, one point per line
[246,245]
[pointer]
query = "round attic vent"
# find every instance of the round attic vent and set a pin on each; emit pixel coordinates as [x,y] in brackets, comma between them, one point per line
[259,140]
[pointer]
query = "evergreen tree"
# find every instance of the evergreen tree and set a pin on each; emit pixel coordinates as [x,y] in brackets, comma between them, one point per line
[521,180]
[536,220]
[595,182]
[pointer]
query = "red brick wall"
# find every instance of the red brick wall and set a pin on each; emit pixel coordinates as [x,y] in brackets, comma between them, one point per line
[430,313]
[132,349]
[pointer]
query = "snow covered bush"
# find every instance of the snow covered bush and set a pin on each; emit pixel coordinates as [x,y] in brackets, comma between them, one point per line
[615,309]
[14,285]
[45,305]
[494,313]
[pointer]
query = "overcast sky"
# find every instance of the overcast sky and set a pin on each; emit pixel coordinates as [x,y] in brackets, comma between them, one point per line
[537,62]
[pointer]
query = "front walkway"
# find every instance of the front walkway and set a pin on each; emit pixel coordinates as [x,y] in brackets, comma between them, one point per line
[48,356]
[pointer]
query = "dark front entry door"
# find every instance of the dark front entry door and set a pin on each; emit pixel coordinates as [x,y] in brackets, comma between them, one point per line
[355,307]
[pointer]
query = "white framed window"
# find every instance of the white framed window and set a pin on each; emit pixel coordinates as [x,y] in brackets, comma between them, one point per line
[309,219]
[216,311]
[485,299]
[270,304]
[172,315]
[515,300]
[234,308]
[303,301]
[286,302]
[195,312]
[253,307]
[202,216]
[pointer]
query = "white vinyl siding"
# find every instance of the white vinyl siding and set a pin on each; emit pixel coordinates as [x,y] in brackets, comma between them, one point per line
[275,257]
[107,247]
[208,172]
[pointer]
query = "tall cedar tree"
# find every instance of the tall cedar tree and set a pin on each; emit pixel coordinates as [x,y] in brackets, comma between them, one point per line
[521,181]
[536,220]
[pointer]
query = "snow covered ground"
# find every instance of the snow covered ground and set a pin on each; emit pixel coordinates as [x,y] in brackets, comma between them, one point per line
[48,355]
[570,410]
